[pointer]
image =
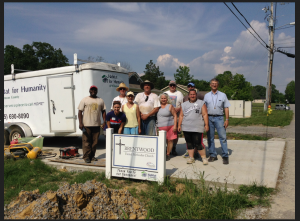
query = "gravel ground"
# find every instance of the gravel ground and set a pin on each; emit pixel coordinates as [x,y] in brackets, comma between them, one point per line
[283,203]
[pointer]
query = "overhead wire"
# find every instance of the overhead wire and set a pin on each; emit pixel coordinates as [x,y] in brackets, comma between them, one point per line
[284,27]
[286,47]
[244,43]
[266,47]
[248,23]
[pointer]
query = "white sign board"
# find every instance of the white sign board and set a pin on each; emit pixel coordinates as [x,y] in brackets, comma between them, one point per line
[136,156]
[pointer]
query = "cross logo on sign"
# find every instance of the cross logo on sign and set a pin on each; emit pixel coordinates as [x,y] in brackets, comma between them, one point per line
[120,145]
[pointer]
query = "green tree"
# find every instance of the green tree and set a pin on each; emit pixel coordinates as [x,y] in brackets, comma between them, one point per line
[290,92]
[48,56]
[235,86]
[154,75]
[201,85]
[258,92]
[12,55]
[37,56]
[224,79]
[276,96]
[182,75]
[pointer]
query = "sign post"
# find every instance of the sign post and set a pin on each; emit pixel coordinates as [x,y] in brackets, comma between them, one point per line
[136,156]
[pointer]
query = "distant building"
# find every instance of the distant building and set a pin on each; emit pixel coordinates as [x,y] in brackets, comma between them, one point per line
[134,84]
[183,89]
[259,101]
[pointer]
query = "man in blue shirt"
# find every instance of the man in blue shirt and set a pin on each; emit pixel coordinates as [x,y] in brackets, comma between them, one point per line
[217,102]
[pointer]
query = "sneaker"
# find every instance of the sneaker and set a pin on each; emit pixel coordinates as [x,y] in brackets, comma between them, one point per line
[186,155]
[87,160]
[191,160]
[212,159]
[205,161]
[94,159]
[168,157]
[225,160]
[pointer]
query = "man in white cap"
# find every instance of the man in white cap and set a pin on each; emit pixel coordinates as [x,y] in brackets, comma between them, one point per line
[89,111]
[177,100]
[122,96]
[149,104]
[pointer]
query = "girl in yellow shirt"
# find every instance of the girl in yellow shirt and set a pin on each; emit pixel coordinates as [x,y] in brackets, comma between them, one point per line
[132,112]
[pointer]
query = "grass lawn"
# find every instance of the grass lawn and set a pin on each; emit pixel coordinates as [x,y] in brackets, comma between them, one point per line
[259,117]
[196,200]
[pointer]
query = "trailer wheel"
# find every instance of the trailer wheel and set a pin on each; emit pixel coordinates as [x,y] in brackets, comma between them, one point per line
[16,133]
[6,137]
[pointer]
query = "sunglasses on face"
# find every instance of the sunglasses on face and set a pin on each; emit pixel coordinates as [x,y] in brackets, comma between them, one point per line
[190,86]
[130,96]
[122,89]
[172,85]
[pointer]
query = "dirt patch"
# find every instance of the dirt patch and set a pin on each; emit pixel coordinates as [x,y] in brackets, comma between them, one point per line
[91,200]
[180,188]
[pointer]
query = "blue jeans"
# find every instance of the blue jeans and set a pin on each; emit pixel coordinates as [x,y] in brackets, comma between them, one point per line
[218,123]
[131,130]
[148,126]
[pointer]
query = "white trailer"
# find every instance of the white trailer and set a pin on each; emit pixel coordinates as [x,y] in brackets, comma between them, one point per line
[45,102]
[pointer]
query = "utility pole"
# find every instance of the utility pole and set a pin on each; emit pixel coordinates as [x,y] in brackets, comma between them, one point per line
[270,62]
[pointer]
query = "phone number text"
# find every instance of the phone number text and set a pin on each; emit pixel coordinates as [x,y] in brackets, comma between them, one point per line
[16,116]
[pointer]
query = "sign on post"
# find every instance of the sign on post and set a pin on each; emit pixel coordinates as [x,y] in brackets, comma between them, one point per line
[136,156]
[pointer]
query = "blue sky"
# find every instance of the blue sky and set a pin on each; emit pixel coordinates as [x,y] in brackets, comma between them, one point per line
[207,37]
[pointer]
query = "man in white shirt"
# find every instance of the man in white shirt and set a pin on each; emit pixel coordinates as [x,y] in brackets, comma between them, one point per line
[122,97]
[177,100]
[149,104]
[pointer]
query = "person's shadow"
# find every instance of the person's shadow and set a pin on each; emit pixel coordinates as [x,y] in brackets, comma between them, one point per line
[218,150]
[181,149]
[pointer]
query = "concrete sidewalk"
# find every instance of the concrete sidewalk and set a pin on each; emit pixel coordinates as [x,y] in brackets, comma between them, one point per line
[249,161]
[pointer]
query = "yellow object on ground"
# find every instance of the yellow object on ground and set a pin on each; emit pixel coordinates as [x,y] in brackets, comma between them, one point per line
[23,149]
[33,154]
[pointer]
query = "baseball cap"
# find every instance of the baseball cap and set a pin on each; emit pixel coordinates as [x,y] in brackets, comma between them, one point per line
[172,82]
[192,84]
[130,93]
[93,86]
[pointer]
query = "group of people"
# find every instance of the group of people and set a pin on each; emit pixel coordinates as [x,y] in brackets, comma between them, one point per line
[146,113]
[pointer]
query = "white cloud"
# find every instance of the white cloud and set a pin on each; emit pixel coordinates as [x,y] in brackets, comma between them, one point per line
[227,49]
[125,7]
[168,60]
[246,56]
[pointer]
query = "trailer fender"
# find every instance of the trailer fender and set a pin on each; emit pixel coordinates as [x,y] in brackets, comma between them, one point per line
[22,126]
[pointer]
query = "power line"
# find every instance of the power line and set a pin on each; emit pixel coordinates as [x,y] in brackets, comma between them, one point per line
[285,43]
[247,28]
[286,39]
[284,27]
[277,47]
[247,22]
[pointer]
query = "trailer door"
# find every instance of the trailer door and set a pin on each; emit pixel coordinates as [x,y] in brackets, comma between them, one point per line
[61,103]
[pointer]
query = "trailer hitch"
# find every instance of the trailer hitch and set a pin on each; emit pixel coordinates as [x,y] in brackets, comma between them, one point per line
[54,109]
